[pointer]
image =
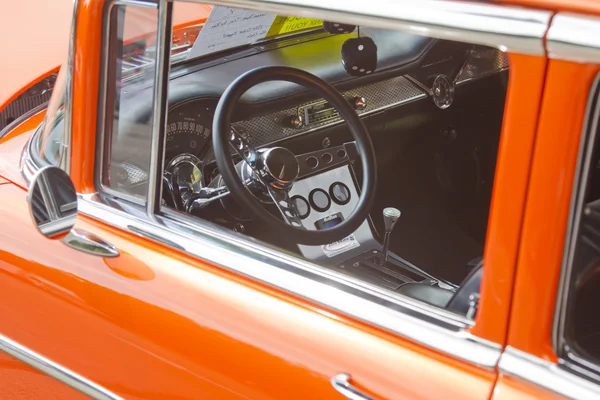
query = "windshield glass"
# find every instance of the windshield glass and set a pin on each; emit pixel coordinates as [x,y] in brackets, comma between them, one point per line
[198,30]
[203,29]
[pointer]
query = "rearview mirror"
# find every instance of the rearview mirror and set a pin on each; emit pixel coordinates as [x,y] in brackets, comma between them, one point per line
[52,202]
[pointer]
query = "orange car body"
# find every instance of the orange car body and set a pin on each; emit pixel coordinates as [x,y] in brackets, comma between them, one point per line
[156,323]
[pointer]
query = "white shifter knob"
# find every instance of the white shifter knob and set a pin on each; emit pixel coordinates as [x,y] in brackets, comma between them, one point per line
[390,217]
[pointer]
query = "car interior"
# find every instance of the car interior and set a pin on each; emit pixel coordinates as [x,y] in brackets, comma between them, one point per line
[369,152]
[583,332]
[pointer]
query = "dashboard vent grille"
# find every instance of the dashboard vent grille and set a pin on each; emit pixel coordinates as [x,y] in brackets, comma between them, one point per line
[36,95]
[482,63]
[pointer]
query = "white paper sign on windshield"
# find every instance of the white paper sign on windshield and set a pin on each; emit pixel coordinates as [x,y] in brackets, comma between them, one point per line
[228,27]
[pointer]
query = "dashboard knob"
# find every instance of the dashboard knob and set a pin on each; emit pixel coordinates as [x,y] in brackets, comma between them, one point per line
[359,103]
[293,121]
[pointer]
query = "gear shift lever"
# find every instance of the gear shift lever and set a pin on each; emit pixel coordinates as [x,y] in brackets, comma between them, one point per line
[390,217]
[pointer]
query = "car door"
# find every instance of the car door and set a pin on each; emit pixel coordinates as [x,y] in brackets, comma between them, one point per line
[179,309]
[550,352]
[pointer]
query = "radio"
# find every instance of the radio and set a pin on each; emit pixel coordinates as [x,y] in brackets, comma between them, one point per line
[318,113]
[321,112]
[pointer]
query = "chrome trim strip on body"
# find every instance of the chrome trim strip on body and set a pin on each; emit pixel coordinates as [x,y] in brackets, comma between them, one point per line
[65,161]
[159,112]
[432,327]
[508,28]
[574,37]
[55,370]
[546,374]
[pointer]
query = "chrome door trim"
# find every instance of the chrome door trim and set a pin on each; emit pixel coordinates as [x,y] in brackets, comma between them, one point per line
[574,37]
[159,112]
[55,370]
[87,242]
[429,326]
[508,28]
[554,377]
[65,160]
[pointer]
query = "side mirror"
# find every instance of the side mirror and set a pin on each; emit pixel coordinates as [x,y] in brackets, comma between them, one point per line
[53,207]
[52,202]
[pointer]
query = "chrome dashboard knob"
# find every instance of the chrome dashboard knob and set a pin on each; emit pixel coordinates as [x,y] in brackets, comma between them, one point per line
[359,103]
[293,121]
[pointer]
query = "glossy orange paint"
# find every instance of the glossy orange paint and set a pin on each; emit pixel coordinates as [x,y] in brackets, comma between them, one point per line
[547,209]
[155,324]
[523,101]
[19,381]
[85,105]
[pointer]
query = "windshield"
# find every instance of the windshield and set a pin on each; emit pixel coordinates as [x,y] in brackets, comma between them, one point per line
[198,31]
[203,29]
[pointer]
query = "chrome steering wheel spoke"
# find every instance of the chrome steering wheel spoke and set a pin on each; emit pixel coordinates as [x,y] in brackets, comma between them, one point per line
[244,149]
[286,206]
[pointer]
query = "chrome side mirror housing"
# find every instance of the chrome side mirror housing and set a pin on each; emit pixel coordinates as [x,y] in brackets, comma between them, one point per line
[53,208]
[52,202]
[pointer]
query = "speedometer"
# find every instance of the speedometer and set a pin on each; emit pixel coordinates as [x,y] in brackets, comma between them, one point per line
[187,132]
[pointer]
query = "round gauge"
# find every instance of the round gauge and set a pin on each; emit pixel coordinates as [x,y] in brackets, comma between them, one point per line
[319,199]
[302,206]
[442,92]
[187,172]
[188,131]
[339,193]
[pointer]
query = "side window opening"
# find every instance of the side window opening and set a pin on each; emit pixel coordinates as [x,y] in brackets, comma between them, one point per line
[432,108]
[581,331]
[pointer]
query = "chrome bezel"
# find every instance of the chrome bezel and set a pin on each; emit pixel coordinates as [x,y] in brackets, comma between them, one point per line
[439,80]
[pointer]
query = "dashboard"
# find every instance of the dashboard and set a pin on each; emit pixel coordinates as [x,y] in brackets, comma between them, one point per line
[277,113]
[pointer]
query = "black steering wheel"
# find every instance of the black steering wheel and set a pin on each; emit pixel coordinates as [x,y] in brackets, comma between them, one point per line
[275,169]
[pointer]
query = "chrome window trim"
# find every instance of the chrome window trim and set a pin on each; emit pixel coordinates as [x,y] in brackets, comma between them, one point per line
[508,28]
[427,325]
[103,92]
[546,374]
[574,37]
[55,370]
[65,161]
[160,109]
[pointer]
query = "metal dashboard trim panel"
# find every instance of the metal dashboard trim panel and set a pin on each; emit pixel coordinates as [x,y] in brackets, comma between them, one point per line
[554,377]
[574,37]
[434,328]
[267,129]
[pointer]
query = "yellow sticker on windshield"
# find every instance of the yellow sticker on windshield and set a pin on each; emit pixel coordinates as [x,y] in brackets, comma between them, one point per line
[283,25]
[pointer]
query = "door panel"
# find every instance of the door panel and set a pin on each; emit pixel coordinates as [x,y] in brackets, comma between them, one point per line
[153,324]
